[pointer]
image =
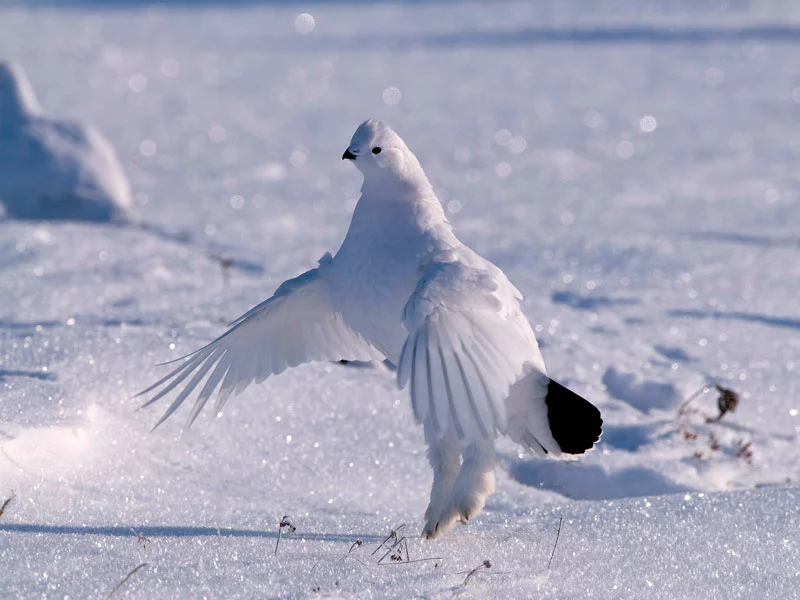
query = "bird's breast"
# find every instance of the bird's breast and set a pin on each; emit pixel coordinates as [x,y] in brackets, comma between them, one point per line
[371,289]
[378,265]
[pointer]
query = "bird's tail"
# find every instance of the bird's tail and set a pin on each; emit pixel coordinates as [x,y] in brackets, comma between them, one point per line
[575,423]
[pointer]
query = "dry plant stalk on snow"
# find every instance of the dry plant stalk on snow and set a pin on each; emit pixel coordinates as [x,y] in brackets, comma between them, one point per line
[727,402]
[125,580]
[285,522]
[6,504]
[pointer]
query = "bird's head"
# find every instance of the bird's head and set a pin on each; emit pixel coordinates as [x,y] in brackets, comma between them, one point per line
[17,97]
[380,154]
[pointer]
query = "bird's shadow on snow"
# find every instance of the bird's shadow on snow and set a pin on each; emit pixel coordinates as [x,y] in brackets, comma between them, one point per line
[787,322]
[178,531]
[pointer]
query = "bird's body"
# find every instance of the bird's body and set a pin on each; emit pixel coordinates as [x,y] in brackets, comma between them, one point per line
[371,288]
[53,168]
[403,287]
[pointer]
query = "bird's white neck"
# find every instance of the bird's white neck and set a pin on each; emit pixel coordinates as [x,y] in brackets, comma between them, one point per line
[396,180]
[394,189]
[402,216]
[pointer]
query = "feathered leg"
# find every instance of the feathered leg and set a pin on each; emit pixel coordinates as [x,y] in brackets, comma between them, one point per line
[474,483]
[444,457]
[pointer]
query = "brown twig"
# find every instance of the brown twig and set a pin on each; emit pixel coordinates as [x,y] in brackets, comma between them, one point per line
[555,545]
[395,551]
[225,264]
[411,562]
[357,544]
[745,451]
[141,538]
[125,580]
[7,503]
[392,535]
[284,523]
[487,564]
[727,402]
[685,404]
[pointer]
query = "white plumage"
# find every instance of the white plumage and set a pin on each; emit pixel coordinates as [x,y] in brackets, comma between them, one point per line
[403,287]
[54,169]
[296,325]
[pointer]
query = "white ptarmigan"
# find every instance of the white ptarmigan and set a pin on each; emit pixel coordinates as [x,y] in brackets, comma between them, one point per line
[54,169]
[403,287]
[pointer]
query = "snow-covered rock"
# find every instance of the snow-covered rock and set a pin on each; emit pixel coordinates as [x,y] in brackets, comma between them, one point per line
[53,168]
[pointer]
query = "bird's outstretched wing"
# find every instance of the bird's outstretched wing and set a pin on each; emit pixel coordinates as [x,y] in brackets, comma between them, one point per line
[296,325]
[467,345]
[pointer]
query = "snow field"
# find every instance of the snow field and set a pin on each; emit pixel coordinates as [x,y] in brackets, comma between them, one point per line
[638,185]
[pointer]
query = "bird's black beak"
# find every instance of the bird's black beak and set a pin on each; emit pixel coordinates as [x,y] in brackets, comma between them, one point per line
[348,155]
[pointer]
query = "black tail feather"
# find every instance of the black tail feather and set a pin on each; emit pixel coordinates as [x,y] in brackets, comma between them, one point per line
[575,423]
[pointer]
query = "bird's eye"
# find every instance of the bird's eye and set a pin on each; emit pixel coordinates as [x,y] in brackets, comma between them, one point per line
[376,150]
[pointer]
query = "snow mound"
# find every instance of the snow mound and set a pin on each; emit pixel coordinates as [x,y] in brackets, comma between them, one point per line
[54,169]
[639,392]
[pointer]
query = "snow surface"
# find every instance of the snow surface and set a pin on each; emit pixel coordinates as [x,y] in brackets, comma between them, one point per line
[635,175]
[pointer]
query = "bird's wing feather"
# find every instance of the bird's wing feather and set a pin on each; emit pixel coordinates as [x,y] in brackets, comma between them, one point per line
[296,325]
[467,344]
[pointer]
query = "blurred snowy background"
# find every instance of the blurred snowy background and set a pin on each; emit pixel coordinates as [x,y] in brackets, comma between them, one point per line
[633,167]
